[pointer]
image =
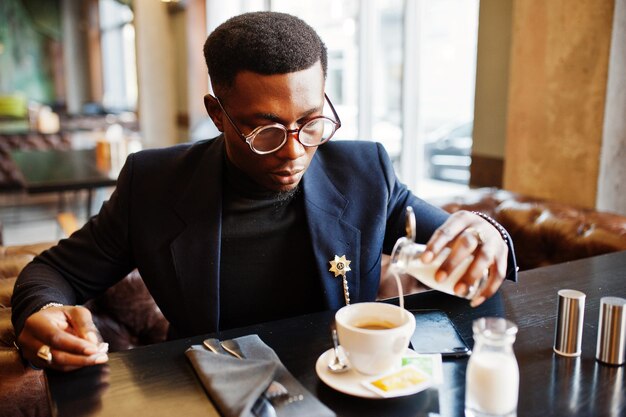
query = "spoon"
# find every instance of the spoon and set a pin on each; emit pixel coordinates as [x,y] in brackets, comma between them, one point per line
[337,365]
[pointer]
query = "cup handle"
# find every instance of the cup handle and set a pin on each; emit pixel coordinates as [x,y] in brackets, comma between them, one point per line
[400,344]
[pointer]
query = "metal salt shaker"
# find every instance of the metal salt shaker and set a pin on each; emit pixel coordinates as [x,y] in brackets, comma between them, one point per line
[569,322]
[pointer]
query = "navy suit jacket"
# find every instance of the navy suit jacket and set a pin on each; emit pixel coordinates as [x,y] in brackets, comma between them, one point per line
[164,218]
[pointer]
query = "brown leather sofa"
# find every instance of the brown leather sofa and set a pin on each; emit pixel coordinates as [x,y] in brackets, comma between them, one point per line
[543,232]
[126,315]
[22,389]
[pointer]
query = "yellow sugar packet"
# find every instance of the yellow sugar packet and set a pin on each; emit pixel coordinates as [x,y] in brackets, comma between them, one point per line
[404,381]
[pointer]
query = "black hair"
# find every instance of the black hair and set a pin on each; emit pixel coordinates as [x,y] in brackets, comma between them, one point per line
[263,42]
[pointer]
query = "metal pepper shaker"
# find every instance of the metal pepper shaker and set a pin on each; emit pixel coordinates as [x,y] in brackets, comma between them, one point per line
[611,331]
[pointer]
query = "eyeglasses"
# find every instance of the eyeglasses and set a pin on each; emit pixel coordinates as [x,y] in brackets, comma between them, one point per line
[270,138]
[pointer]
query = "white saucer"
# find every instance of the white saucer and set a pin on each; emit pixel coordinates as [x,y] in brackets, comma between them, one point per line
[349,382]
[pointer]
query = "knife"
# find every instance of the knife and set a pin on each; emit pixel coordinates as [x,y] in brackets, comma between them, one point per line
[262,407]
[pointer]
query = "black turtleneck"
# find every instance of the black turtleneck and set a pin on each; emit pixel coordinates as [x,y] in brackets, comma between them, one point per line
[267,269]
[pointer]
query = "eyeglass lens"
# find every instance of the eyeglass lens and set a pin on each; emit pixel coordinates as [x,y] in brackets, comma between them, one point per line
[313,133]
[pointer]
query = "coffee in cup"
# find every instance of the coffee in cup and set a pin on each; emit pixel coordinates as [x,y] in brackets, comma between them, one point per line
[374,335]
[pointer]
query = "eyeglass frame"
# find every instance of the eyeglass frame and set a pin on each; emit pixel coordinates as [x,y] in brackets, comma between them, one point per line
[250,137]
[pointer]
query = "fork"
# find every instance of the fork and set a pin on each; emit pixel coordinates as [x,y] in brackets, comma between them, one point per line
[275,392]
[262,407]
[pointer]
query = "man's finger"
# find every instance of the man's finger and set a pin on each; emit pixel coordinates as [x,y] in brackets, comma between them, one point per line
[57,342]
[62,360]
[497,273]
[494,283]
[471,279]
[466,244]
[450,230]
[51,327]
[444,234]
[82,324]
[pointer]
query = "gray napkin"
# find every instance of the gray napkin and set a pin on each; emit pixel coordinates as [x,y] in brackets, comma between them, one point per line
[235,384]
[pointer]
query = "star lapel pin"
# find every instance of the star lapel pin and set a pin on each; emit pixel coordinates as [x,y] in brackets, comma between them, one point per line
[340,266]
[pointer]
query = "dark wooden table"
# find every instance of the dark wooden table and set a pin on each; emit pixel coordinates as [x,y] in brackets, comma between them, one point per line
[47,171]
[157,380]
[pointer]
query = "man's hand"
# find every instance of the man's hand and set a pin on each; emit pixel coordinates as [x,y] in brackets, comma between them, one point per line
[469,234]
[65,335]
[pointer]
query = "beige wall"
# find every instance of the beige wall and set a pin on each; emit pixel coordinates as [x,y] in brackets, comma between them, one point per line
[557,90]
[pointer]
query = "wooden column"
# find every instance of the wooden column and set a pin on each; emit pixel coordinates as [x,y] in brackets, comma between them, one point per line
[558,84]
[156,74]
[197,73]
[492,80]
[75,59]
[94,50]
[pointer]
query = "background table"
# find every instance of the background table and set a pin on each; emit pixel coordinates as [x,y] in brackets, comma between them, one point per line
[158,380]
[62,170]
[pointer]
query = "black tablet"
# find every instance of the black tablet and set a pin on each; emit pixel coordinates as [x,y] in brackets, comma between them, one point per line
[435,333]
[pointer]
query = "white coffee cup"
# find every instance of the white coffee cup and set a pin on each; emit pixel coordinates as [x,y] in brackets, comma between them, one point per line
[374,335]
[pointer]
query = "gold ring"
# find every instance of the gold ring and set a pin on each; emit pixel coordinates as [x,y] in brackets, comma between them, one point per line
[45,354]
[476,234]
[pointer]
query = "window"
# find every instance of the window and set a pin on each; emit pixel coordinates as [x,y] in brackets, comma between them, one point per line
[336,22]
[402,72]
[118,56]
[445,104]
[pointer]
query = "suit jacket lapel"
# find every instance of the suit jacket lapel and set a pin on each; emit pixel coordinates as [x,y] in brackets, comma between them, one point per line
[330,235]
[196,251]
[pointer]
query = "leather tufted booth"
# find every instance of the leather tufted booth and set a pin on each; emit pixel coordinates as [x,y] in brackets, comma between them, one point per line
[126,315]
[545,232]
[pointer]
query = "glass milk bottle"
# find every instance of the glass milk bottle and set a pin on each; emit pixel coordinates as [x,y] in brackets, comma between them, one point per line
[405,259]
[492,376]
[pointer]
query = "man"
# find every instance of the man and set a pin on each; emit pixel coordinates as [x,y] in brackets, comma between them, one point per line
[245,227]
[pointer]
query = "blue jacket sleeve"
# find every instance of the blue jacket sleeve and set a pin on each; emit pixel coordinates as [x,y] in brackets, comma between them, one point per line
[428,217]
